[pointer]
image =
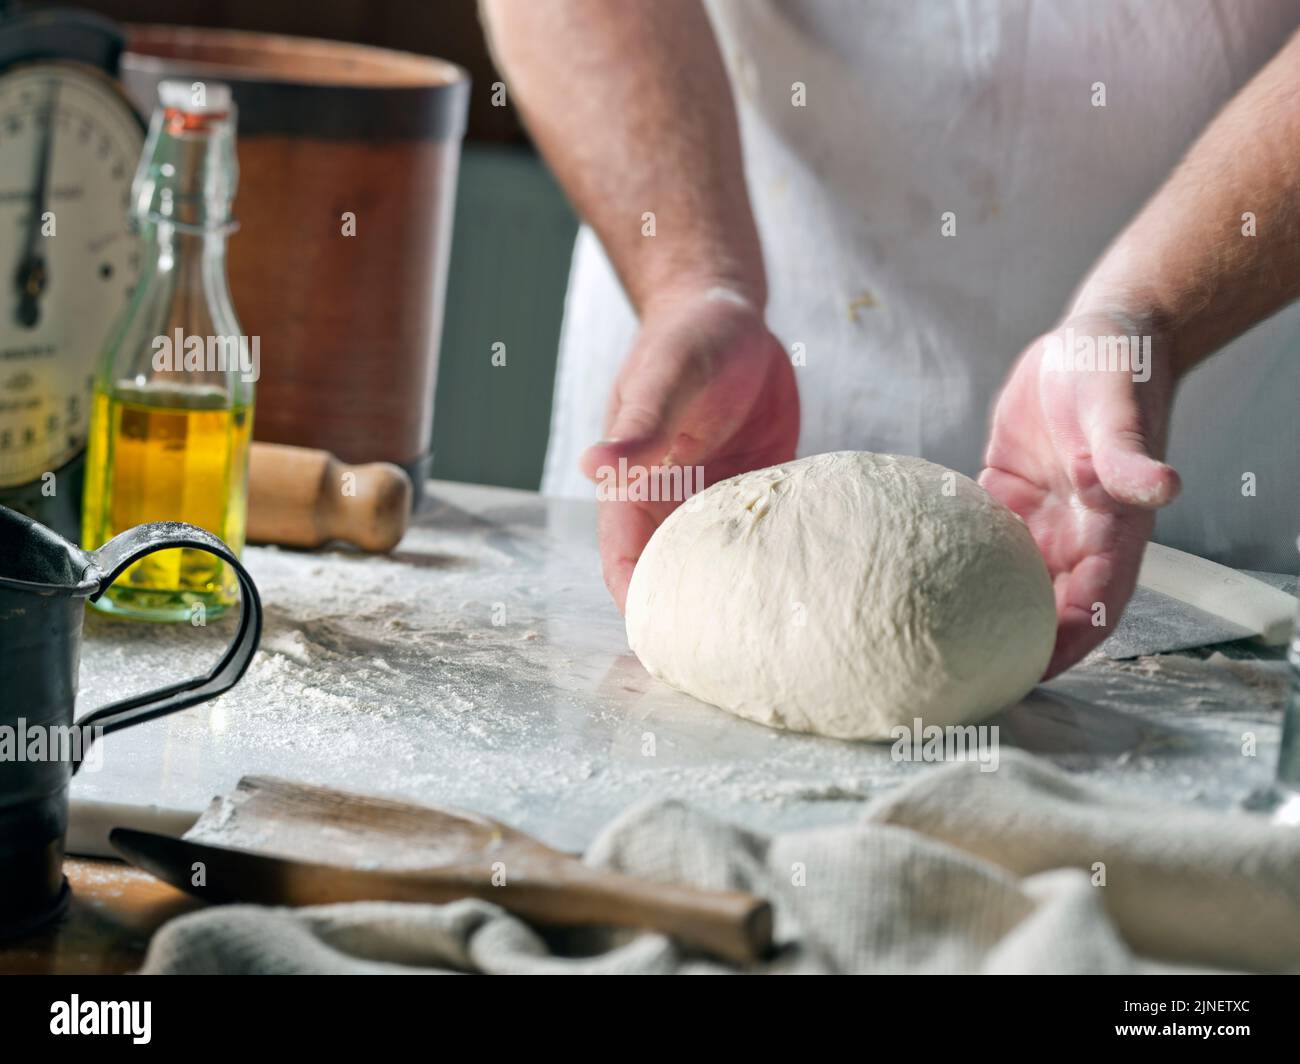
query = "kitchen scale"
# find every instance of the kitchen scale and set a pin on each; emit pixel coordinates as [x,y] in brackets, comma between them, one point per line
[69,143]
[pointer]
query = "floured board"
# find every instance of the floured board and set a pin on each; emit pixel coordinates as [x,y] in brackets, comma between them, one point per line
[482,666]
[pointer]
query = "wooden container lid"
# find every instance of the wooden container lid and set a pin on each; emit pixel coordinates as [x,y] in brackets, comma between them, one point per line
[304,87]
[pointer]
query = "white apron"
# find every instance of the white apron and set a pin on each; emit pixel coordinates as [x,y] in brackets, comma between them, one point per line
[982,108]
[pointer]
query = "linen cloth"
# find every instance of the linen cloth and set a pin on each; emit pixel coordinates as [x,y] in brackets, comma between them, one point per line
[1021,870]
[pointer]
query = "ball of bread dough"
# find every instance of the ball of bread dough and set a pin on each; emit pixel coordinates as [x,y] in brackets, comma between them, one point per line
[844,594]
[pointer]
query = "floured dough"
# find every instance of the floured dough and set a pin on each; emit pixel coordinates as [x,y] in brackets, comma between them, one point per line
[844,594]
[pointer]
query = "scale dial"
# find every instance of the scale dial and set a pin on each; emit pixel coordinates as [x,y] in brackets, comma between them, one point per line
[69,144]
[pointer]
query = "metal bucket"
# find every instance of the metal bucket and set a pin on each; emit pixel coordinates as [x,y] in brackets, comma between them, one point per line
[44,583]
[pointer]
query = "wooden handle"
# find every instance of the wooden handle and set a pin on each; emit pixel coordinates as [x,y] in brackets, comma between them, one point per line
[728,924]
[298,497]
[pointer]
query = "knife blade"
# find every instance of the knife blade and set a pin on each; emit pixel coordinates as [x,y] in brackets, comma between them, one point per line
[1183,602]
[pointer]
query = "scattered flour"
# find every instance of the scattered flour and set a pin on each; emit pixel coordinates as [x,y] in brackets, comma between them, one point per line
[482,668]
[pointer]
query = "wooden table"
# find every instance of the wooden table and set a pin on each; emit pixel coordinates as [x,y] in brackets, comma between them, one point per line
[115,910]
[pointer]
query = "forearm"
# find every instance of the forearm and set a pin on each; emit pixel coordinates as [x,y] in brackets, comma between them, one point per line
[1186,267]
[630,104]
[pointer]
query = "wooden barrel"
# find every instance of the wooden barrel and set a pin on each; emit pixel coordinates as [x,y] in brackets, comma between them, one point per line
[349,325]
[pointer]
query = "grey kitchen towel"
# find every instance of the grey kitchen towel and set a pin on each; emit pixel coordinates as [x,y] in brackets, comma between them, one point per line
[1021,870]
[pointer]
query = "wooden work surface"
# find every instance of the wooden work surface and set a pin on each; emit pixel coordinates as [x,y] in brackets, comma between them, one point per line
[115,909]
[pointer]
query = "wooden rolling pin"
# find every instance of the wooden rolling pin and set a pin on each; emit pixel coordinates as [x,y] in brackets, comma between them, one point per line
[298,497]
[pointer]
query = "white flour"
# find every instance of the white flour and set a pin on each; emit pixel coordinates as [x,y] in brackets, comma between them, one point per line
[483,667]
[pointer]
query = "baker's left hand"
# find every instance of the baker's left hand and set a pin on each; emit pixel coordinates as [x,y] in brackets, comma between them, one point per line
[1077,452]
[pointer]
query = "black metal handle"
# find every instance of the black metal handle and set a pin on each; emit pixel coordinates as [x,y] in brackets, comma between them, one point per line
[111,560]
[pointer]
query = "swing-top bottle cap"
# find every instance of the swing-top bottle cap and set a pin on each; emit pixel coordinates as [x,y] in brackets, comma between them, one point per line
[194,97]
[188,172]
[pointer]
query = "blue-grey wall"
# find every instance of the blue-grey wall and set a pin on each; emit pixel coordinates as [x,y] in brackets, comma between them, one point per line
[509,267]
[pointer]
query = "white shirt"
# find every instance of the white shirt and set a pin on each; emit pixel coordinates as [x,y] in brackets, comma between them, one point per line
[986,109]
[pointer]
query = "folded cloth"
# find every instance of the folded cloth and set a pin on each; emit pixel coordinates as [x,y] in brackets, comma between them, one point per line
[1022,870]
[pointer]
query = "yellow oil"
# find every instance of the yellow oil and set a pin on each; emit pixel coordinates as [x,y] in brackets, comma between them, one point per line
[160,454]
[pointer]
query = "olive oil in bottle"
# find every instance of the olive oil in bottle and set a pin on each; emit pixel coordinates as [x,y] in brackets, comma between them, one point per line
[161,452]
[173,401]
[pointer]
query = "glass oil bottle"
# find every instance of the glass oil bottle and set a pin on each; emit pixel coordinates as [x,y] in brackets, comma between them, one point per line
[172,412]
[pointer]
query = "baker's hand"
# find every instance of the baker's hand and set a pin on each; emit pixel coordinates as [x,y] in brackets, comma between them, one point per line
[1076,453]
[705,385]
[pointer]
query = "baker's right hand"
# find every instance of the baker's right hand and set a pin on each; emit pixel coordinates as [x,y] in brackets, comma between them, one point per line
[706,384]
